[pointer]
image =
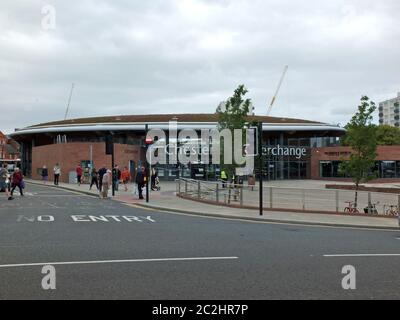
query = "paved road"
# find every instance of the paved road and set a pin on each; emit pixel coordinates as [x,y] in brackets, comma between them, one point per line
[254,260]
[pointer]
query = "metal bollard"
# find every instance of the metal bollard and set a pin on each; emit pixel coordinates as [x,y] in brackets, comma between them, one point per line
[198,190]
[398,208]
[369,203]
[271,194]
[303,196]
[241,196]
[217,193]
[337,200]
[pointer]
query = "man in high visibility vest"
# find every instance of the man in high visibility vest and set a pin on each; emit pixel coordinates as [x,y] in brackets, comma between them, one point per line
[224,178]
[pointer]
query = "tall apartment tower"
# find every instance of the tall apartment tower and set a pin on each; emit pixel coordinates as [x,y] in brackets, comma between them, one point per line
[389,112]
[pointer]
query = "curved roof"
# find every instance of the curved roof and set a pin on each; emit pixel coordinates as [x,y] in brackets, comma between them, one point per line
[159,118]
[195,121]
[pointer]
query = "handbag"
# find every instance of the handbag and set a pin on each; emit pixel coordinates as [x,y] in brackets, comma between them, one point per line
[23,184]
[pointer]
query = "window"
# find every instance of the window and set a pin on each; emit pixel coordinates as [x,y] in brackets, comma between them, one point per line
[325,169]
[388,169]
[330,169]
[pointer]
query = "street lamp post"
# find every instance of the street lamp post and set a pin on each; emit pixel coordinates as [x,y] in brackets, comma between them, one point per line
[148,142]
[260,166]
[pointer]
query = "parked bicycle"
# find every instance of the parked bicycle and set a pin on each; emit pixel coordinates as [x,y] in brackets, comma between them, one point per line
[393,210]
[371,209]
[351,207]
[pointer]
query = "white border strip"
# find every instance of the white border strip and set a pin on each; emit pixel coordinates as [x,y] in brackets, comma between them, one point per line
[113,261]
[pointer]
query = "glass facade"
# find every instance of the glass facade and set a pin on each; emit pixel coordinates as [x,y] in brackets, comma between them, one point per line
[330,169]
[384,169]
[285,158]
[287,170]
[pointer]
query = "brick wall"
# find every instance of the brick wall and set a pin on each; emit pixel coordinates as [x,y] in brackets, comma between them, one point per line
[69,155]
[385,153]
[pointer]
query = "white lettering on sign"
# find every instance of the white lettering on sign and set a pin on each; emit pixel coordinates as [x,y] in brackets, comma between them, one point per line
[285,151]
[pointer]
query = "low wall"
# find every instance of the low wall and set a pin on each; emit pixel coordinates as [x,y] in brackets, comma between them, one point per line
[363,188]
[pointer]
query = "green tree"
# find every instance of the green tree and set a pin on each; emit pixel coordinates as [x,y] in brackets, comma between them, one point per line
[387,135]
[361,137]
[232,114]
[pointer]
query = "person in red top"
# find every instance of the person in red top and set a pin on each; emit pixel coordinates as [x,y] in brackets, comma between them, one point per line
[126,177]
[17,181]
[79,173]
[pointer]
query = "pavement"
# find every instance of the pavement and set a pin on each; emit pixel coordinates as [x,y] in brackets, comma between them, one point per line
[166,200]
[103,249]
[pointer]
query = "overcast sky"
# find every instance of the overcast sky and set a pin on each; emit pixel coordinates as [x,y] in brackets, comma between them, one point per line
[181,56]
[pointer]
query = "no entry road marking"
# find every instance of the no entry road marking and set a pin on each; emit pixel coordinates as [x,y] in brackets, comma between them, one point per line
[114,261]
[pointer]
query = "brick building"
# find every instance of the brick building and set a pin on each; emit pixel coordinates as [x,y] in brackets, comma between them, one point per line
[9,150]
[289,144]
[325,163]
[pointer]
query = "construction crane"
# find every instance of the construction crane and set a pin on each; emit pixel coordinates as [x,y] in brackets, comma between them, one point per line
[277,90]
[69,102]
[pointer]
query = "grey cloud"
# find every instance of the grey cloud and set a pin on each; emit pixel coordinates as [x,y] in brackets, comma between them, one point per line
[187,55]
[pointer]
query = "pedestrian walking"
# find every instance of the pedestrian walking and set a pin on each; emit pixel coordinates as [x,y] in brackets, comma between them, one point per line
[94,179]
[79,173]
[101,173]
[3,181]
[107,181]
[57,174]
[116,177]
[155,182]
[126,178]
[45,174]
[17,181]
[140,181]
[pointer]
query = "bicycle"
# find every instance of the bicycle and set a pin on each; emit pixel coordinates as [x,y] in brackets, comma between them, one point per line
[392,211]
[371,209]
[351,208]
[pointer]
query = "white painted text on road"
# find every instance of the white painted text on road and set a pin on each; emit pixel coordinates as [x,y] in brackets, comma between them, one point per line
[89,218]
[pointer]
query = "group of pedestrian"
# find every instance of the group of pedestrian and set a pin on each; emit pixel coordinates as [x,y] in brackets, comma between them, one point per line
[9,182]
[104,179]
[56,171]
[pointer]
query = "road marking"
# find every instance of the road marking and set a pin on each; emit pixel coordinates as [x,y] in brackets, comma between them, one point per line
[114,261]
[239,219]
[361,255]
[301,224]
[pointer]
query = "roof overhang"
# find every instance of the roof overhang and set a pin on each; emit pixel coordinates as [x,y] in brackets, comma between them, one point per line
[166,126]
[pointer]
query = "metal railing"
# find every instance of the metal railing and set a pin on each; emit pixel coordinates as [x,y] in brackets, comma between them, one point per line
[219,191]
[299,199]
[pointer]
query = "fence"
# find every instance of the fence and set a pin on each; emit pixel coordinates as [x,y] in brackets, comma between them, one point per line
[309,200]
